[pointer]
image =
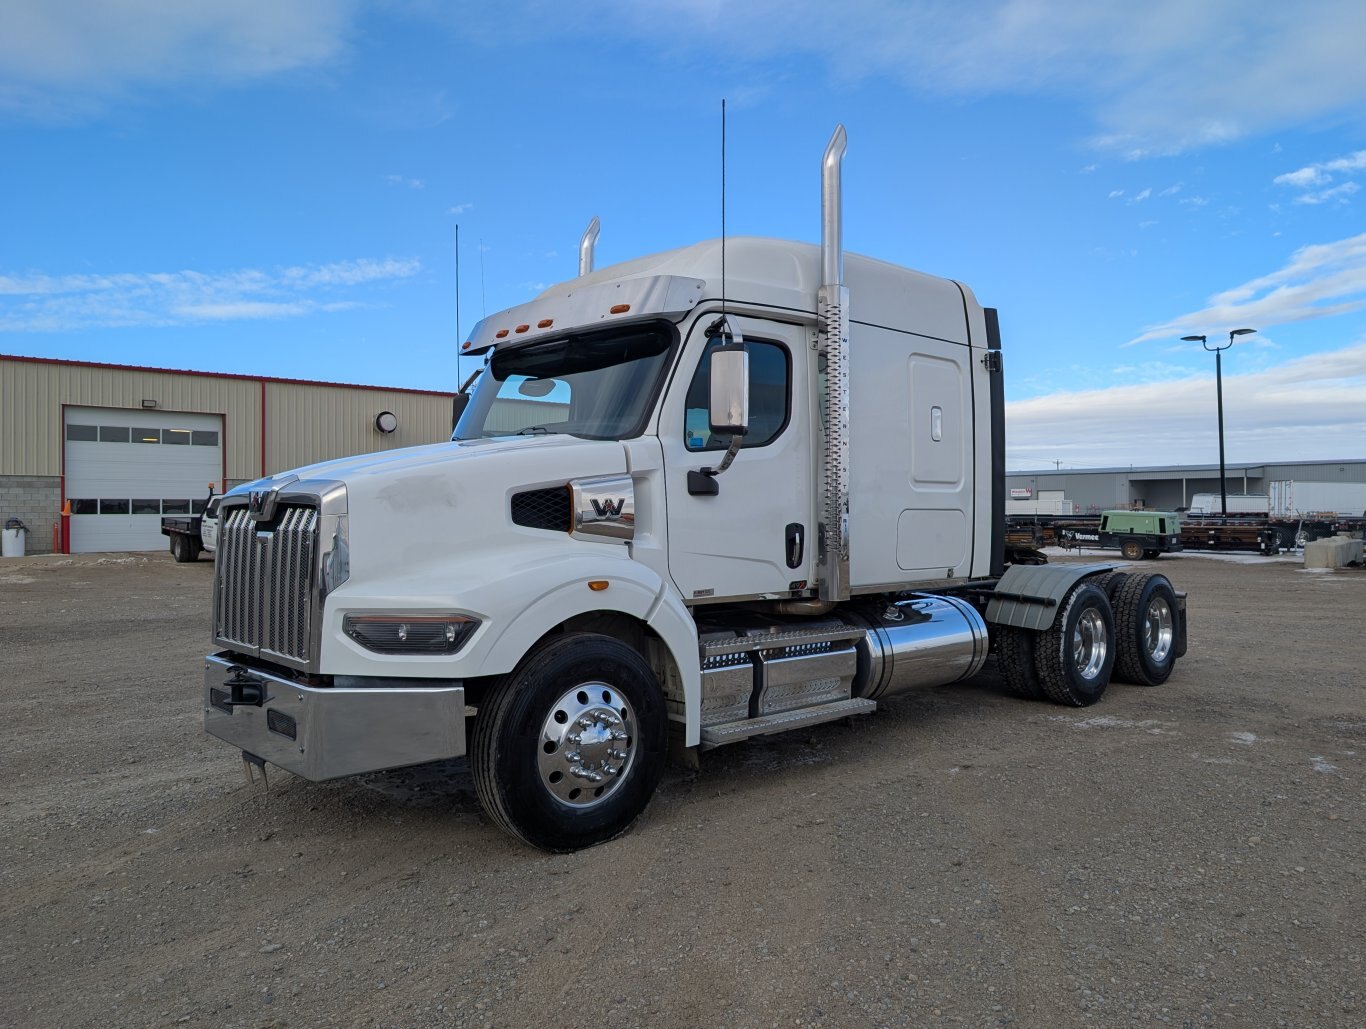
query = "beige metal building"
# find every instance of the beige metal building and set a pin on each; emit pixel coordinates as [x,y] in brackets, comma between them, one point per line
[120,446]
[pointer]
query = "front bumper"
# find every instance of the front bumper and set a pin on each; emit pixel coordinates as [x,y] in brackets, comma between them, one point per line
[329,733]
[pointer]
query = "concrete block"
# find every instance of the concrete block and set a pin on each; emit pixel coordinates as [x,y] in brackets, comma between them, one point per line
[1334,552]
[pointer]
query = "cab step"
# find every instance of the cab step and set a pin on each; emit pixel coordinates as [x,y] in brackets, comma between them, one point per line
[734,732]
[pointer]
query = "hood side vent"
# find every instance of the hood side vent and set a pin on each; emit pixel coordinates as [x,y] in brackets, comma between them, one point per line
[543,509]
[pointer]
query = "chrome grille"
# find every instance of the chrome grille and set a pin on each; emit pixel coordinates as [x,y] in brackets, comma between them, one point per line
[265,578]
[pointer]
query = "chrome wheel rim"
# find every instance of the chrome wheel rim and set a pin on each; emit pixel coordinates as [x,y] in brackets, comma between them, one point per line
[587,745]
[1090,644]
[1158,631]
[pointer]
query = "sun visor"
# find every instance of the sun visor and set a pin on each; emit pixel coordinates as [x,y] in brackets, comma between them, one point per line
[589,306]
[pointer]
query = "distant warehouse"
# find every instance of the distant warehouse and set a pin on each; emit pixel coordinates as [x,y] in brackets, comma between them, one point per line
[123,445]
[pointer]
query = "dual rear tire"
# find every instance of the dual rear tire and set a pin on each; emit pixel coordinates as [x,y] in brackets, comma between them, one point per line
[1125,625]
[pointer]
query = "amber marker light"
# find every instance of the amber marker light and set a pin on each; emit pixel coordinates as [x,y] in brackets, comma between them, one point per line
[523,328]
[500,334]
[620,308]
[545,323]
[467,344]
[597,585]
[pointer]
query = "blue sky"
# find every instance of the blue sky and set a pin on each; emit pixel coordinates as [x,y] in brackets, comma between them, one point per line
[274,188]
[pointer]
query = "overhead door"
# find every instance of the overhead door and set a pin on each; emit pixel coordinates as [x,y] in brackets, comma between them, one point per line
[126,468]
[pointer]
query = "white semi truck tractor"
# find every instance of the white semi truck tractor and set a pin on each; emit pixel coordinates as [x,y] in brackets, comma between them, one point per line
[734,489]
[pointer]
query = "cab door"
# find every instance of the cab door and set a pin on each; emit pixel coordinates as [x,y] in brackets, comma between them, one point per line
[755,536]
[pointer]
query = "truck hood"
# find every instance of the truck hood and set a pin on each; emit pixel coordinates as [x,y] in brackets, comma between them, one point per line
[413,509]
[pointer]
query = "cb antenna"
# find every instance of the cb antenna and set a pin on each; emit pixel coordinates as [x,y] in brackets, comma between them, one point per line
[723,207]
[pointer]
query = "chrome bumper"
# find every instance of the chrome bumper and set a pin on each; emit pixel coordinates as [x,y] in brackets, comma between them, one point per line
[328,733]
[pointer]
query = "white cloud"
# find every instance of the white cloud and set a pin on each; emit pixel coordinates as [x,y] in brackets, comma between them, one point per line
[60,58]
[1340,193]
[47,303]
[1307,408]
[399,180]
[1314,175]
[1172,78]
[1319,281]
[459,208]
[1318,174]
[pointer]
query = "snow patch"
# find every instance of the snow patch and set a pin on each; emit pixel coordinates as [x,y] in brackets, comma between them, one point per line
[1148,725]
[1244,737]
[1322,765]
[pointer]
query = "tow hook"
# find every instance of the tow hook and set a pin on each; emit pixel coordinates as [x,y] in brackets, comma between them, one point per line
[246,691]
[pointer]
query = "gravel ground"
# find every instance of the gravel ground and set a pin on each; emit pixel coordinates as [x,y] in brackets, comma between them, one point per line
[1190,854]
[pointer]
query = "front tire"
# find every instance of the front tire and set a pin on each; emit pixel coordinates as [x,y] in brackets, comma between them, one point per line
[569,747]
[1075,657]
[1147,629]
[1131,550]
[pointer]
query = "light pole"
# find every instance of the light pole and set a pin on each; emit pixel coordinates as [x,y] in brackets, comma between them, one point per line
[1218,351]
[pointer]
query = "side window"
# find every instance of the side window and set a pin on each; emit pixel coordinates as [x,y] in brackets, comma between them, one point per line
[770,392]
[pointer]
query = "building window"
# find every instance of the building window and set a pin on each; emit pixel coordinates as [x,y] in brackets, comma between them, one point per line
[175,507]
[180,436]
[83,433]
[114,507]
[204,438]
[146,435]
[113,434]
[146,506]
[85,507]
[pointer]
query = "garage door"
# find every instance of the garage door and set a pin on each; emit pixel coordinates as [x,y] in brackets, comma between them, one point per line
[125,469]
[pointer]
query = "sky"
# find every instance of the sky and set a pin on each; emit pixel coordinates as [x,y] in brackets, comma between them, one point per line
[275,189]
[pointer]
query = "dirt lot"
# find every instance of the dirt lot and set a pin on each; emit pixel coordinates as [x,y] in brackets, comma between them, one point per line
[1190,854]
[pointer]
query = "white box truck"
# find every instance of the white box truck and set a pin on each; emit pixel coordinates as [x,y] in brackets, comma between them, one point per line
[729,490]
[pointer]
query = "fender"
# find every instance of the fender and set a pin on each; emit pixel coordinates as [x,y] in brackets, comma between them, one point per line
[1028,596]
[518,604]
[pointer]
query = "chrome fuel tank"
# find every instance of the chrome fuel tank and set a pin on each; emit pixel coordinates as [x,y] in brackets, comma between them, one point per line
[919,642]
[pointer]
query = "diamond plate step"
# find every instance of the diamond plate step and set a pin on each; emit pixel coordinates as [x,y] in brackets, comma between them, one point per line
[734,732]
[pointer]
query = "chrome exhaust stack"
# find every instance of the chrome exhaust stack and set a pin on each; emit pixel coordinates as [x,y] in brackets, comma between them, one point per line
[832,312]
[586,244]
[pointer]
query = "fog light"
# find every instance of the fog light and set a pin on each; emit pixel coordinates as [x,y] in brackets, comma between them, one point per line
[410,633]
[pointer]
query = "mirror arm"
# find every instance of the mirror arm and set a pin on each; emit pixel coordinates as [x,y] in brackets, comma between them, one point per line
[731,451]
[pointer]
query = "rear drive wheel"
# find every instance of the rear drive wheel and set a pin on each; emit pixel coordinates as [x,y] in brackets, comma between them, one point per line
[1015,658]
[181,549]
[1131,550]
[1146,629]
[569,747]
[1075,657]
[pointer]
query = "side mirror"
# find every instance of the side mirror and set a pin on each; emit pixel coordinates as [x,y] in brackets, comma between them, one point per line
[728,407]
[458,404]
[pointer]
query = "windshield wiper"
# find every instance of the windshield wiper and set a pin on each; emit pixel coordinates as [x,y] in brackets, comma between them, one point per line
[537,430]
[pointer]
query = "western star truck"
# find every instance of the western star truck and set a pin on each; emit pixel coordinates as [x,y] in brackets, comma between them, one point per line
[733,489]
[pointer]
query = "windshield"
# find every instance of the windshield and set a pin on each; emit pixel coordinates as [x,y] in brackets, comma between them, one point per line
[599,385]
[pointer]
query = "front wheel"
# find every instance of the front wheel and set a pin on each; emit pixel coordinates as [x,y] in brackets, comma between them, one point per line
[1131,550]
[1075,657]
[569,747]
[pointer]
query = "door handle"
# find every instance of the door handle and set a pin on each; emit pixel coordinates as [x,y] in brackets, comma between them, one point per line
[796,537]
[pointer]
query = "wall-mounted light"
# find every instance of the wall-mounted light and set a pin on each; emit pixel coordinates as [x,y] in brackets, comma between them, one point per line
[149,403]
[386,422]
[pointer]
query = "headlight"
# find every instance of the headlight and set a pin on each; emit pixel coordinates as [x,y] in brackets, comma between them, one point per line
[426,633]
